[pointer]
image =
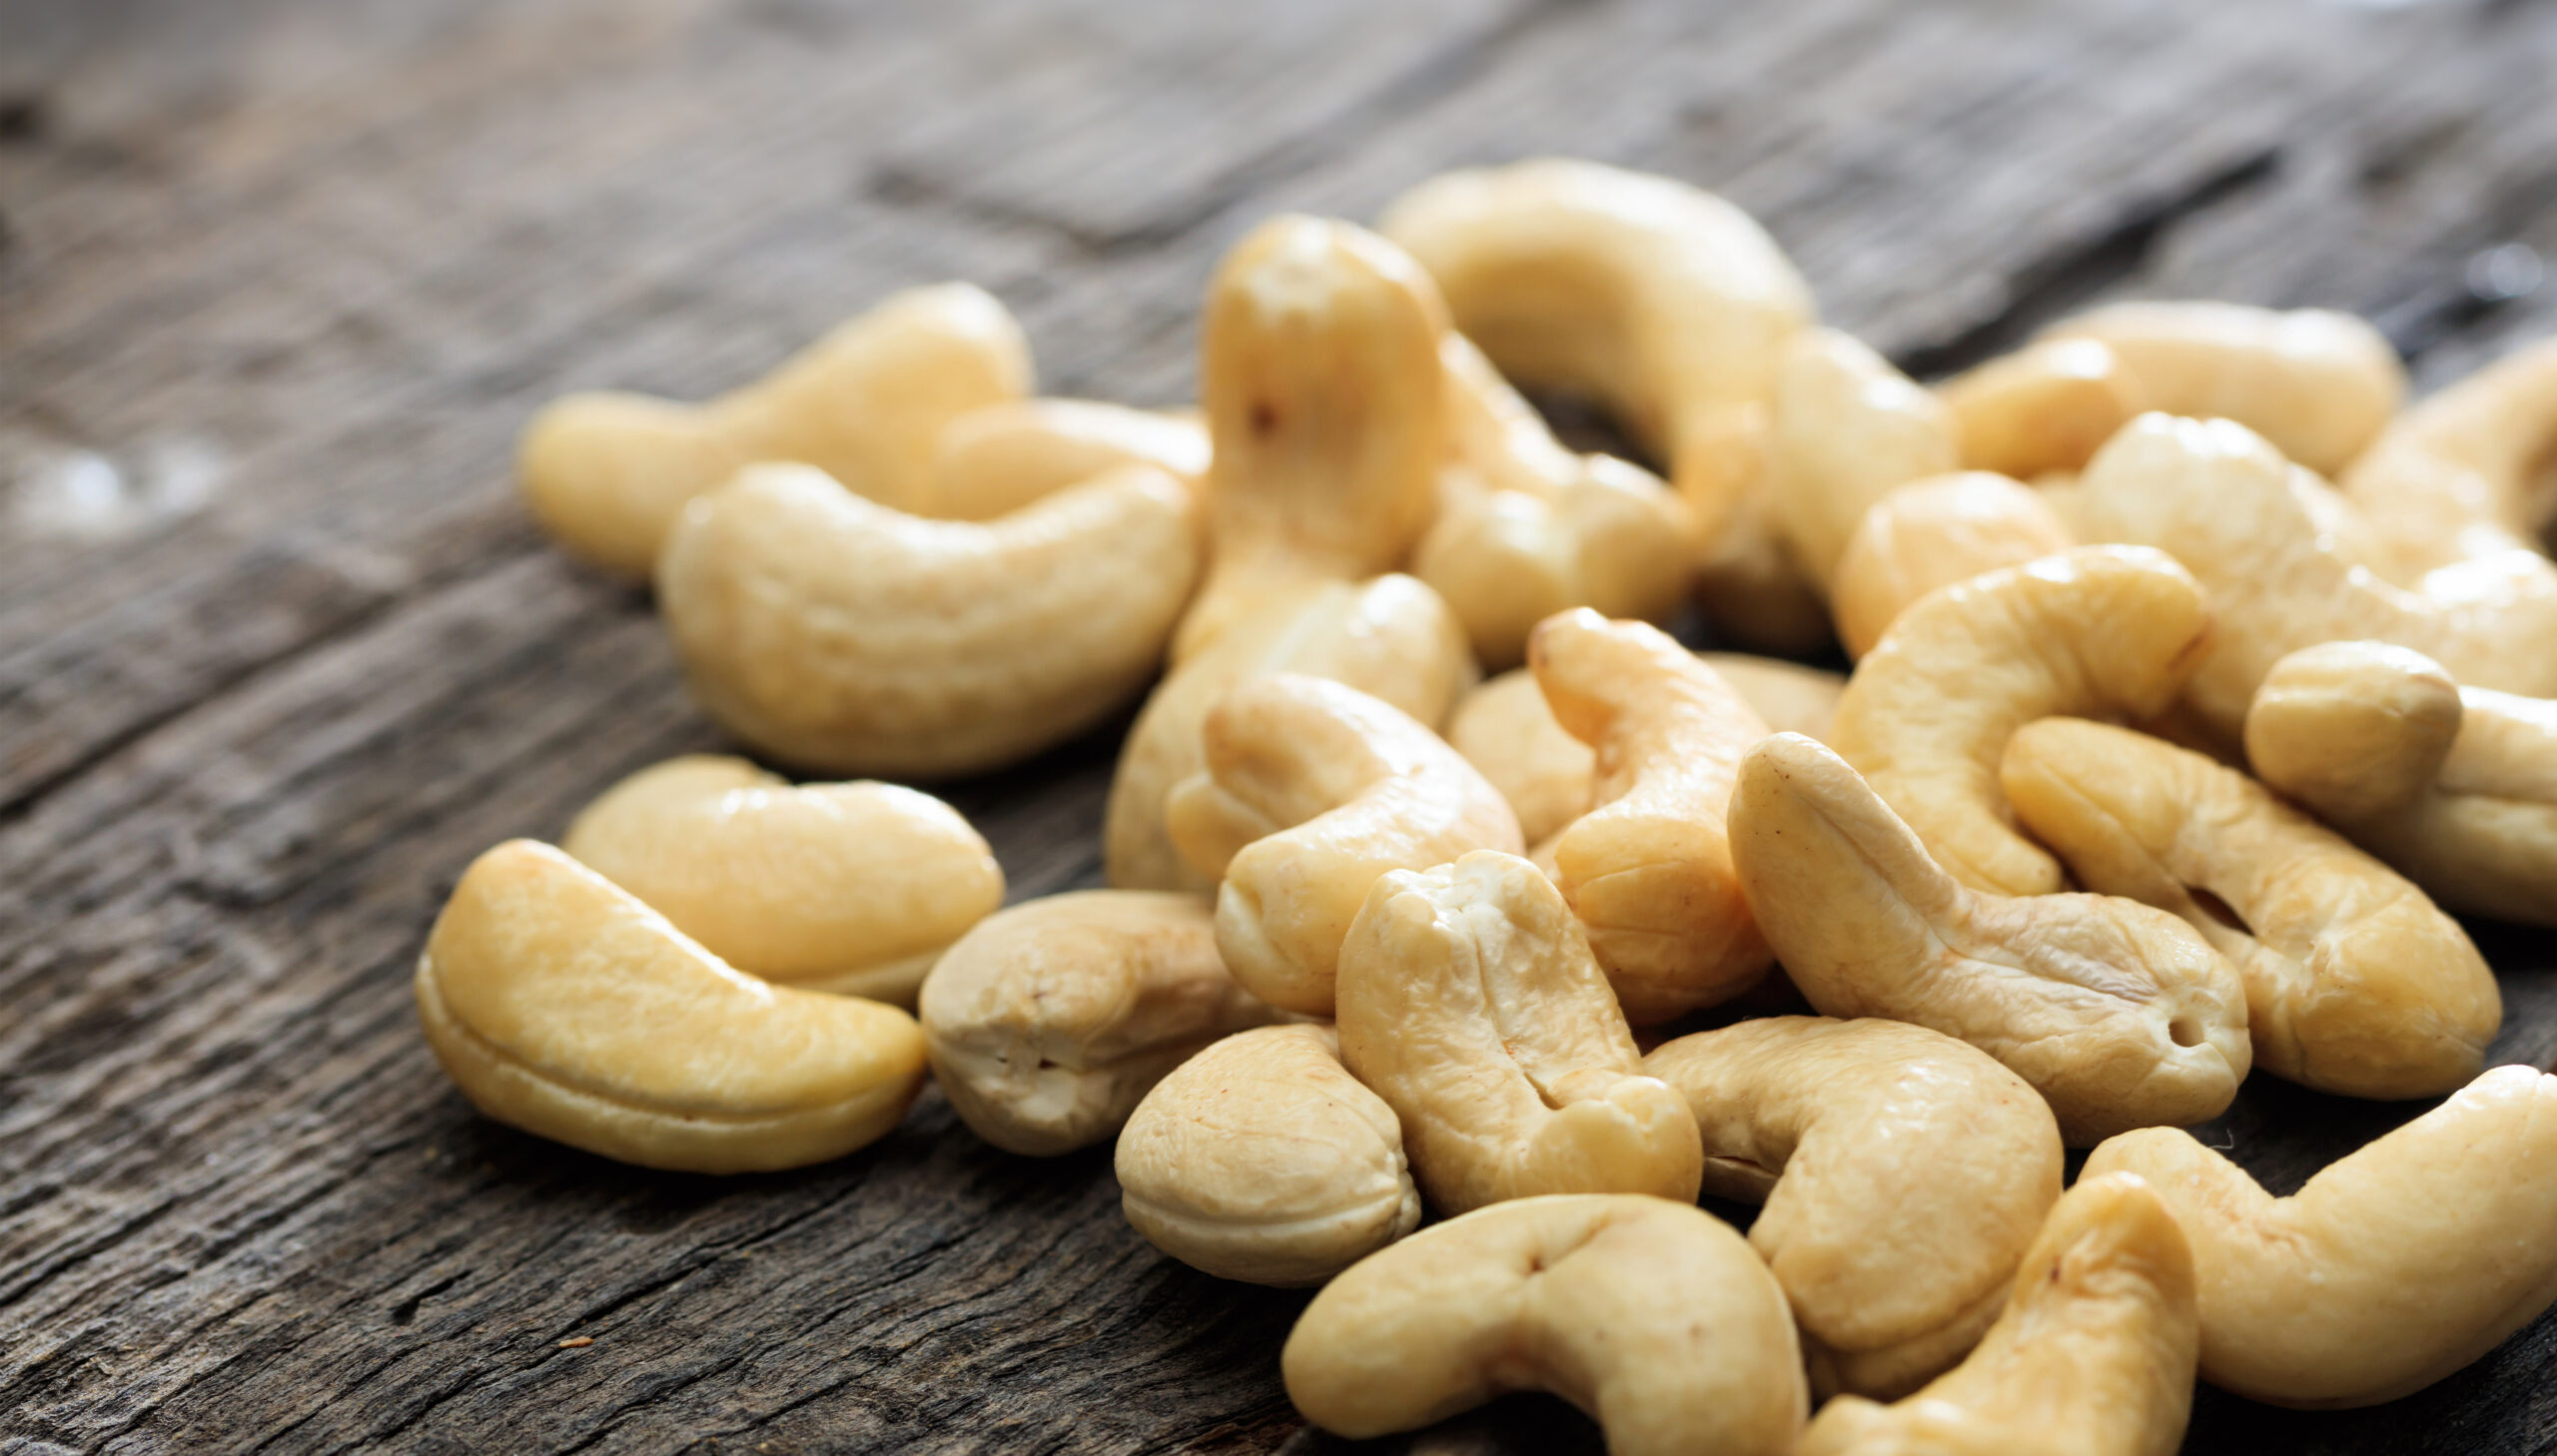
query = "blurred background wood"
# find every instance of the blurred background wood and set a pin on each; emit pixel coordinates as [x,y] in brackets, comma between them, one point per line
[279,653]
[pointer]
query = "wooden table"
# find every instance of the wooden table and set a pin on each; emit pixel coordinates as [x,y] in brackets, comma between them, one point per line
[279,653]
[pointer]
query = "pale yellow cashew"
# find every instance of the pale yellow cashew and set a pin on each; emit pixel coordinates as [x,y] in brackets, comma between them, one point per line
[562,1005]
[2471,470]
[2457,787]
[1505,729]
[1052,1020]
[2389,1269]
[1903,1175]
[1648,868]
[1931,533]
[2355,983]
[845,637]
[1849,429]
[2093,1357]
[2098,631]
[2319,384]
[1392,637]
[1653,1318]
[2047,406]
[1791,697]
[1319,370]
[995,459]
[607,474]
[1263,1159]
[2288,564]
[1750,588]
[851,888]
[1469,1001]
[2119,1015]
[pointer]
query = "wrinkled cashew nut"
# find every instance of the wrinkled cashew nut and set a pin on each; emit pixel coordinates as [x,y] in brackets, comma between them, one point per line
[849,888]
[1263,1159]
[562,1005]
[1848,430]
[2119,1013]
[995,459]
[1052,1020]
[850,638]
[2390,1268]
[1903,1175]
[2471,470]
[1652,1317]
[1469,1001]
[2047,406]
[608,474]
[1931,533]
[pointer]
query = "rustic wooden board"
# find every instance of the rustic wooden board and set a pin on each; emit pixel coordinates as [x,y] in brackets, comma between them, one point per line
[297,271]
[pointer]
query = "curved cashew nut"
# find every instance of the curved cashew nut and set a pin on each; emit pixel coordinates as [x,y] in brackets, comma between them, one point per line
[2319,384]
[851,888]
[2471,470]
[2097,631]
[1648,868]
[562,1005]
[851,638]
[1903,1175]
[607,474]
[2093,1354]
[1849,429]
[2119,1013]
[2390,1268]
[2457,787]
[1931,533]
[1469,1002]
[1663,302]
[1653,1318]
[2047,406]
[1263,1159]
[1505,729]
[2274,546]
[1052,1020]
[1319,370]
[997,459]
[1391,637]
[2355,983]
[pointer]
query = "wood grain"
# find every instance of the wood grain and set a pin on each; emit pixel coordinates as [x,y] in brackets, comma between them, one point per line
[319,261]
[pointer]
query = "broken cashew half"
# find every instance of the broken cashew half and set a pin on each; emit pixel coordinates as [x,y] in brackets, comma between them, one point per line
[1903,1175]
[2047,406]
[850,888]
[2471,470]
[1848,430]
[997,459]
[562,1005]
[1931,533]
[1652,1317]
[2119,1013]
[2390,1268]
[607,474]
[1263,1159]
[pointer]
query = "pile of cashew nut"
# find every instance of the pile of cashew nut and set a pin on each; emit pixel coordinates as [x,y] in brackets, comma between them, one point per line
[2194,681]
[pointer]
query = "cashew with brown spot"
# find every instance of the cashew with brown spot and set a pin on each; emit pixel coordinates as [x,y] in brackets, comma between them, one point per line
[1263,1159]
[2119,1013]
[1470,1002]
[1931,533]
[1652,1317]
[562,1005]
[1848,430]
[2390,1268]
[608,474]
[2047,406]
[850,888]
[2471,470]
[997,459]
[1049,1022]
[1903,1175]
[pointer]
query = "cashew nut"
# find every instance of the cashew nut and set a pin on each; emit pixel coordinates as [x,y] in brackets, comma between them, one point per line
[1392,637]
[851,888]
[2390,1268]
[1052,1020]
[2093,1354]
[1931,533]
[1505,729]
[995,459]
[2097,631]
[1652,1317]
[2319,384]
[1849,429]
[2457,787]
[562,1005]
[1318,370]
[1791,697]
[851,638]
[1263,1159]
[1470,1002]
[2471,470]
[1903,1175]
[2047,406]
[607,474]
[1750,588]
[2121,1015]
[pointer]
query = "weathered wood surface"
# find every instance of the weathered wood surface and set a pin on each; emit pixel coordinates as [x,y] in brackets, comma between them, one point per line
[314,264]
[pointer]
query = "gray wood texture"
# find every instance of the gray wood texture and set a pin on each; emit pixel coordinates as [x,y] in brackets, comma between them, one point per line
[293,273]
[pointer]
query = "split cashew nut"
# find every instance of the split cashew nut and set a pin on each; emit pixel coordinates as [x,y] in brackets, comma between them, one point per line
[993,461]
[1931,533]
